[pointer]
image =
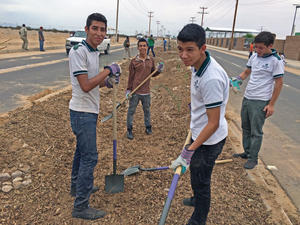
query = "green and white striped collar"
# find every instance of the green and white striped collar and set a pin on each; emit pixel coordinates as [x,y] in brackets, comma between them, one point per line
[90,48]
[204,65]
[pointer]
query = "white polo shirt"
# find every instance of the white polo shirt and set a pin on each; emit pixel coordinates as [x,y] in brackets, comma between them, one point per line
[83,59]
[264,70]
[209,89]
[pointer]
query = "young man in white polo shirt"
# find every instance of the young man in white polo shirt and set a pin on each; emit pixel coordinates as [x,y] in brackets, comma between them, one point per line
[209,96]
[84,108]
[266,71]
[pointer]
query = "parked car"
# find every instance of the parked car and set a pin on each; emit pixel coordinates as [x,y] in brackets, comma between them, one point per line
[139,36]
[79,36]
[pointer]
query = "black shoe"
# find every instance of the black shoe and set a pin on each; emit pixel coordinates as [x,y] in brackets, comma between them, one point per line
[250,164]
[73,191]
[88,213]
[189,201]
[243,155]
[148,130]
[129,134]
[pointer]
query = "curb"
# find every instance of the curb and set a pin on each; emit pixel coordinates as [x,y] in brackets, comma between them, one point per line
[256,175]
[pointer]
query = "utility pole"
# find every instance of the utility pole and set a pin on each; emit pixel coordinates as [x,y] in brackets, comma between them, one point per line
[203,8]
[150,16]
[157,22]
[233,25]
[117,18]
[192,19]
[293,27]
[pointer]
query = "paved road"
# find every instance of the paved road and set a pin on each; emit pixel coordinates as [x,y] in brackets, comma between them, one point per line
[24,76]
[282,130]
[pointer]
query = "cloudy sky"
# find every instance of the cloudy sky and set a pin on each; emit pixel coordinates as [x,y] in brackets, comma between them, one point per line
[272,15]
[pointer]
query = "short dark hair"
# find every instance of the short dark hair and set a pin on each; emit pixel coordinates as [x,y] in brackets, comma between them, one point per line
[142,40]
[23,25]
[96,16]
[265,37]
[192,32]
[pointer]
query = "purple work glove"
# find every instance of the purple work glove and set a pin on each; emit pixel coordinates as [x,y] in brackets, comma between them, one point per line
[114,68]
[111,80]
[160,67]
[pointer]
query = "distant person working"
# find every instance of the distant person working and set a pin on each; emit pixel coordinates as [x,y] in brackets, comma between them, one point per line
[23,36]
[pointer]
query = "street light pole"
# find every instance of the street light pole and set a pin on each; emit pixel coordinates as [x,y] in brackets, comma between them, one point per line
[293,27]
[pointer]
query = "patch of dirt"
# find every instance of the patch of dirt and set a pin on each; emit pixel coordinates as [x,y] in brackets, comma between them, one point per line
[49,146]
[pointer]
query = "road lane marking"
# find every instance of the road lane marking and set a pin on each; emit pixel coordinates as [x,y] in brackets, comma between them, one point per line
[13,69]
[229,62]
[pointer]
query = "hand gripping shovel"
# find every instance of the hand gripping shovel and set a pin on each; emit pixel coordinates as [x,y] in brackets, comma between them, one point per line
[126,98]
[171,192]
[114,183]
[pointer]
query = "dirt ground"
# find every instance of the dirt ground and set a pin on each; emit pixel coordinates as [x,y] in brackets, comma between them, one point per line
[40,137]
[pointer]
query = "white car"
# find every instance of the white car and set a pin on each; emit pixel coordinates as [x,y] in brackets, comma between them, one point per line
[79,36]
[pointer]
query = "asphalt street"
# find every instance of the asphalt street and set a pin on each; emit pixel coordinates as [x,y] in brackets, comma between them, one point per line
[24,76]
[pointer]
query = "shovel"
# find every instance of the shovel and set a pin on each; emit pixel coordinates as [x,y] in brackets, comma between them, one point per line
[172,189]
[136,169]
[114,183]
[126,98]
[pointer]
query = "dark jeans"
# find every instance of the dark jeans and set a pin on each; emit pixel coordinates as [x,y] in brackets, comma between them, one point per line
[152,50]
[253,119]
[133,102]
[85,158]
[41,45]
[201,168]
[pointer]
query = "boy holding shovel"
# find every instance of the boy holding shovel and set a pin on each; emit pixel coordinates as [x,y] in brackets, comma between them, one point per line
[84,108]
[209,96]
[140,68]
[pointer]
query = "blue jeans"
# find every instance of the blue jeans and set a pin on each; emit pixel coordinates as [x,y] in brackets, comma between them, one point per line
[133,102]
[201,168]
[86,156]
[41,45]
[152,50]
[253,119]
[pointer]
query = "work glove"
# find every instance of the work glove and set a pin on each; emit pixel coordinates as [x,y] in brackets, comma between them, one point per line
[236,82]
[183,160]
[111,80]
[127,94]
[114,68]
[160,67]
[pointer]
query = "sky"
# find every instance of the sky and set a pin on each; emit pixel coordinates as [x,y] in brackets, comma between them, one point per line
[269,15]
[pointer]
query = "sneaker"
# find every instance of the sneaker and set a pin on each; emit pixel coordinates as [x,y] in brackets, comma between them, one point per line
[73,191]
[129,134]
[243,155]
[189,201]
[148,130]
[250,164]
[88,213]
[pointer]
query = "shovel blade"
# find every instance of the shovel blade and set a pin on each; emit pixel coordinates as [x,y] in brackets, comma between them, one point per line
[114,183]
[107,118]
[131,171]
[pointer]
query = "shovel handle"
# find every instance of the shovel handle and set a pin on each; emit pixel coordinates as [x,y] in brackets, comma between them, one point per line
[173,186]
[114,129]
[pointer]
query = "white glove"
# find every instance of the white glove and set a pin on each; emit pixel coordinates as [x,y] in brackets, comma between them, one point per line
[127,93]
[180,162]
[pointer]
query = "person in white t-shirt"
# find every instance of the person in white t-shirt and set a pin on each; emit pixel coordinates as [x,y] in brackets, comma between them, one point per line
[84,108]
[266,71]
[209,95]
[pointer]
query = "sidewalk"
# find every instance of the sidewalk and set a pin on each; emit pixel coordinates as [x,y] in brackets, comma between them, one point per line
[289,62]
